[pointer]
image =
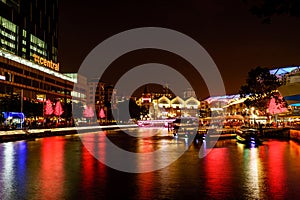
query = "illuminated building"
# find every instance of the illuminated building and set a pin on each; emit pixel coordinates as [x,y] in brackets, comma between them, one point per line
[101,95]
[30,27]
[79,93]
[164,107]
[290,77]
[29,69]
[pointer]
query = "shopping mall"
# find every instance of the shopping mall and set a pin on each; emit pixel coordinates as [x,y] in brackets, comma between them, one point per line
[29,69]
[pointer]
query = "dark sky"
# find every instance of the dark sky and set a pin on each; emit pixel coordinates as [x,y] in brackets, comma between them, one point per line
[235,39]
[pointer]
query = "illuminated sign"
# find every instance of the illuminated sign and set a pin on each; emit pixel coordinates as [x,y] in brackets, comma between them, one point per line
[41,97]
[2,78]
[146,99]
[46,63]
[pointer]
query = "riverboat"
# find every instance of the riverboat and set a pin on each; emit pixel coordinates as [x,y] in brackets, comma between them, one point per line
[185,127]
[248,136]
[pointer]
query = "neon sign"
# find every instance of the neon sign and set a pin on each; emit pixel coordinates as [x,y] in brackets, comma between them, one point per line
[42,61]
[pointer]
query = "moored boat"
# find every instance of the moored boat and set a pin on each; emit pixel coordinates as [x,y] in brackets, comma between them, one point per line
[185,127]
[248,136]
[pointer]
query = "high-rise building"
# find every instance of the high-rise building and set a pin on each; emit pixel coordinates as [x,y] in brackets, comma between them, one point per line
[29,28]
[29,69]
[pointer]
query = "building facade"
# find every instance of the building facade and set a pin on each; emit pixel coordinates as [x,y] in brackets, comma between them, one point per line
[30,27]
[101,96]
[29,69]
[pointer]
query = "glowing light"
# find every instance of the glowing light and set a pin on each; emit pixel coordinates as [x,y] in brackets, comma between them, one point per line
[35,66]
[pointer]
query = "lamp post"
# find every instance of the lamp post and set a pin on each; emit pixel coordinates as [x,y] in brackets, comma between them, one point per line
[22,98]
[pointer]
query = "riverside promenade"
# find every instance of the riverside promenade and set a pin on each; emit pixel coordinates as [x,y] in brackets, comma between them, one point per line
[23,134]
[224,133]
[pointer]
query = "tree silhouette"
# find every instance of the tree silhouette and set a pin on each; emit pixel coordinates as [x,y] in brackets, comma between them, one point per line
[266,9]
[32,108]
[10,103]
[133,110]
[260,88]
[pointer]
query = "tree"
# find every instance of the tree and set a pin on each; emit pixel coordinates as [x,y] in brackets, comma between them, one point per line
[88,112]
[58,110]
[67,107]
[10,103]
[260,88]
[32,108]
[133,110]
[266,9]
[277,105]
[48,108]
[102,113]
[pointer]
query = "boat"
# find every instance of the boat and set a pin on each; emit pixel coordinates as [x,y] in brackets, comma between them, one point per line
[248,136]
[185,127]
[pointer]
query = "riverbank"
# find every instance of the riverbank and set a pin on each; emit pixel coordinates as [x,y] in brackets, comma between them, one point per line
[15,135]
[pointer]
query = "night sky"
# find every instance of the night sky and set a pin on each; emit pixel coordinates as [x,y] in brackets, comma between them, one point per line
[236,39]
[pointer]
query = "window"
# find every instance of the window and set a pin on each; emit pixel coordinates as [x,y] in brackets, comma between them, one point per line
[32,74]
[26,73]
[37,41]
[24,33]
[40,77]
[8,24]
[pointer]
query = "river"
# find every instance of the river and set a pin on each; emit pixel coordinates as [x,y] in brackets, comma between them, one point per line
[63,168]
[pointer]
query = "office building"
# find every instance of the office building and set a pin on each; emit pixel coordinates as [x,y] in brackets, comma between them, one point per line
[29,69]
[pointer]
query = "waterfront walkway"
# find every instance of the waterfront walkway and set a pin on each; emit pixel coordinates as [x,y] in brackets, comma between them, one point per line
[218,133]
[20,134]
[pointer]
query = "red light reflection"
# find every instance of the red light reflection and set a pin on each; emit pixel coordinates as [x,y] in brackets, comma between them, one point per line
[52,174]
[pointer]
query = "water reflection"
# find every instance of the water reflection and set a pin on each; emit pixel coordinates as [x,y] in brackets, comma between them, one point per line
[277,164]
[21,169]
[218,171]
[252,176]
[52,171]
[91,168]
[63,168]
[7,171]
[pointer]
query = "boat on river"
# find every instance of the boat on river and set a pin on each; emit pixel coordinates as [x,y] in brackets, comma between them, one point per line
[185,127]
[248,136]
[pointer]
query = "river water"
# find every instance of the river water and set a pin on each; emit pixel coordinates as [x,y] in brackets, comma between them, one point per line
[63,168]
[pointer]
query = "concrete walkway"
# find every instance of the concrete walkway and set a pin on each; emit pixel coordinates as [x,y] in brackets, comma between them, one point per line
[32,131]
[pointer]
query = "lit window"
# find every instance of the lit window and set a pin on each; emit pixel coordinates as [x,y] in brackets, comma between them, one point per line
[24,33]
[8,24]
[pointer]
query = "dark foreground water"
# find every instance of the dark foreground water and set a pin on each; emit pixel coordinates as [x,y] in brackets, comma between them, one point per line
[62,168]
